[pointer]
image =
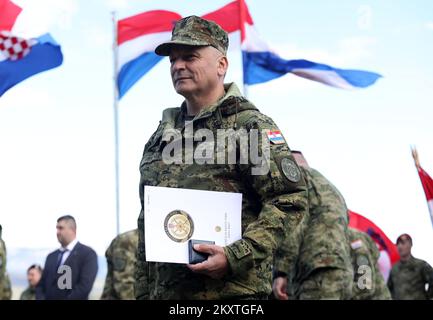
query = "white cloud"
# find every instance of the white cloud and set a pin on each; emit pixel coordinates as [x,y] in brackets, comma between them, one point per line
[117,4]
[429,25]
[40,16]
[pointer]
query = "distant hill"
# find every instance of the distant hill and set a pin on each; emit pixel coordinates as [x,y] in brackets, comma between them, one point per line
[19,259]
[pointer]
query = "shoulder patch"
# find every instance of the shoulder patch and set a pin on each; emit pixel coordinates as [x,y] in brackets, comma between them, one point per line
[275,136]
[290,170]
[356,244]
[119,264]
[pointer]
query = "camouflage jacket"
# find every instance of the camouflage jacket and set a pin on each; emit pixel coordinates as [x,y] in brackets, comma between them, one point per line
[272,204]
[368,281]
[28,294]
[407,280]
[5,283]
[121,258]
[323,238]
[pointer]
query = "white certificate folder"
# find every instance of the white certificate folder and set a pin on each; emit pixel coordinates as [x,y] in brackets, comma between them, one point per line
[172,216]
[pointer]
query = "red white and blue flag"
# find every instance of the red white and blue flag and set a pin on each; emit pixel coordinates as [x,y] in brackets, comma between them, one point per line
[427,184]
[139,35]
[22,58]
[137,38]
[261,64]
[388,250]
[275,136]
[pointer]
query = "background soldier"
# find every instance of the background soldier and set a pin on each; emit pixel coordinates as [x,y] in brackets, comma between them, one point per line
[273,201]
[410,275]
[322,269]
[368,283]
[34,273]
[5,283]
[121,257]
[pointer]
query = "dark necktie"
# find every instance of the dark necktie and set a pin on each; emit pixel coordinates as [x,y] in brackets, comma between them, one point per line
[59,258]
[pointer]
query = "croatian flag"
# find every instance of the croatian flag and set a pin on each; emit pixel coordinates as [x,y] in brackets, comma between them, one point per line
[261,64]
[139,35]
[427,184]
[137,38]
[22,58]
[388,250]
[275,137]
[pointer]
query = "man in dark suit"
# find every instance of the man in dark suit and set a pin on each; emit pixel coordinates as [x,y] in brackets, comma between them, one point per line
[70,271]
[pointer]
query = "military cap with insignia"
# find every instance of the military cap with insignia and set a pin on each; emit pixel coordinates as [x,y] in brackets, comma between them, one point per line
[195,31]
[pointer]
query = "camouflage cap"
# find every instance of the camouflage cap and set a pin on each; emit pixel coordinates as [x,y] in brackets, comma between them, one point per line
[195,31]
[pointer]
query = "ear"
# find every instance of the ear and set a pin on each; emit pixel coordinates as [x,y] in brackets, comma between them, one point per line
[223,65]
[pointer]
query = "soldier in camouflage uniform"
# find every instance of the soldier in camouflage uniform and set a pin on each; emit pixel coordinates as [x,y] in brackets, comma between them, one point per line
[121,258]
[5,283]
[409,276]
[273,202]
[368,281]
[320,268]
[34,273]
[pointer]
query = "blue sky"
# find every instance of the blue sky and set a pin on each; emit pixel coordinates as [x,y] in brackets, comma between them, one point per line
[56,128]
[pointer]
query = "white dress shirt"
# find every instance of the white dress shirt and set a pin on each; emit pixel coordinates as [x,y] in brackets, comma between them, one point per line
[68,249]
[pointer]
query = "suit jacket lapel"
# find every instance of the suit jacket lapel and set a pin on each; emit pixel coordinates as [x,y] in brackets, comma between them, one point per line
[73,253]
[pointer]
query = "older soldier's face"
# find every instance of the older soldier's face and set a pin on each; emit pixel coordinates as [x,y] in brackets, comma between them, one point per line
[195,71]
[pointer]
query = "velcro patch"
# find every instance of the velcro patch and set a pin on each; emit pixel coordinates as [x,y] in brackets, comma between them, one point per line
[356,244]
[275,136]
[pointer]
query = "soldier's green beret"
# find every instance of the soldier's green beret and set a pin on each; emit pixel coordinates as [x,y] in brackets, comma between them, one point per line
[195,31]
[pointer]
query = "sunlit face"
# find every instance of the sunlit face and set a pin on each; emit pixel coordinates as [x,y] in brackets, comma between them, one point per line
[33,277]
[65,232]
[196,71]
[404,247]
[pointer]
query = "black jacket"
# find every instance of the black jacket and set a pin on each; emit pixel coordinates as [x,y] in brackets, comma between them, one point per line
[83,266]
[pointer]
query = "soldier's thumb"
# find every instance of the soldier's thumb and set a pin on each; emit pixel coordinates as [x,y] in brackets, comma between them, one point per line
[206,248]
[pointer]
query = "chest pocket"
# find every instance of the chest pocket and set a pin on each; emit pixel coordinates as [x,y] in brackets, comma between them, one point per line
[153,148]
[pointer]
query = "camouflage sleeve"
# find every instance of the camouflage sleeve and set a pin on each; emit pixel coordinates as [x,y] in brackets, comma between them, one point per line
[141,283]
[123,261]
[390,284]
[428,277]
[327,284]
[381,290]
[287,253]
[5,284]
[281,190]
[108,292]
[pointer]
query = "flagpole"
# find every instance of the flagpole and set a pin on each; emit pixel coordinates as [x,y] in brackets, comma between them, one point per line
[242,35]
[116,120]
